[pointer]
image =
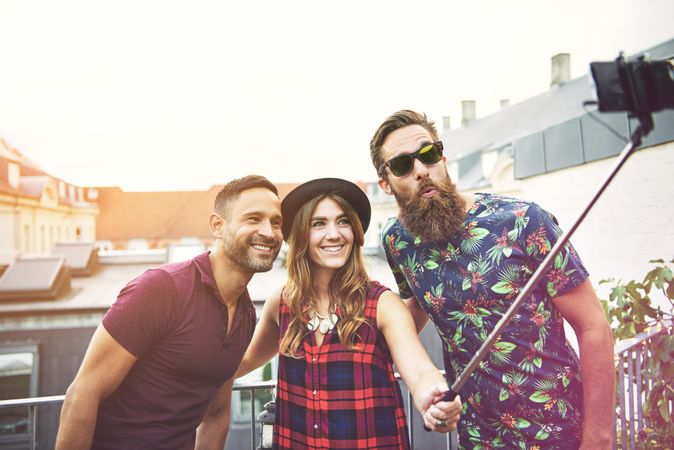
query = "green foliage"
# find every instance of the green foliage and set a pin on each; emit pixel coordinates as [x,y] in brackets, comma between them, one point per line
[629,310]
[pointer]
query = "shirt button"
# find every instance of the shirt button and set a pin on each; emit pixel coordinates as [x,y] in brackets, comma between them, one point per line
[313,359]
[315,392]
[315,426]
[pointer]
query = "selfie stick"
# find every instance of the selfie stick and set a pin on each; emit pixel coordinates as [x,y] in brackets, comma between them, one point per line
[645,126]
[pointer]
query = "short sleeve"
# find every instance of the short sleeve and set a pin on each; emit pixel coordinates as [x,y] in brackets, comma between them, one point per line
[540,235]
[393,246]
[142,312]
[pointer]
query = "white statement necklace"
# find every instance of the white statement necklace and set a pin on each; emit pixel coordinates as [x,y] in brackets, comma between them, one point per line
[322,323]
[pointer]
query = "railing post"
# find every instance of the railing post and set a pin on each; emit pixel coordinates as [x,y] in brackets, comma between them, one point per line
[252,418]
[640,388]
[32,417]
[621,401]
[410,419]
[630,392]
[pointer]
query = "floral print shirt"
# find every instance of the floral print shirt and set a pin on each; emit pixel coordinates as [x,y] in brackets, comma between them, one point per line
[527,393]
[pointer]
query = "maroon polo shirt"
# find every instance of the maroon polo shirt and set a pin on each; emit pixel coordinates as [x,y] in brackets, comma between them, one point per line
[172,318]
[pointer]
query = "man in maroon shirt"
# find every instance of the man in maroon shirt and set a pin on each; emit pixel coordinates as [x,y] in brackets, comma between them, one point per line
[159,370]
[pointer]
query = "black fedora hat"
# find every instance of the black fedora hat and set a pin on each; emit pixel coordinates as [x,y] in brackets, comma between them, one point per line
[304,192]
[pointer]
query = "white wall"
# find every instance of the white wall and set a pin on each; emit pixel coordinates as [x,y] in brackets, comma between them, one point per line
[34,229]
[9,232]
[631,223]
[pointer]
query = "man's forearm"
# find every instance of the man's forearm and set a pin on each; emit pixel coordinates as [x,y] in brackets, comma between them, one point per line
[77,424]
[598,373]
[212,432]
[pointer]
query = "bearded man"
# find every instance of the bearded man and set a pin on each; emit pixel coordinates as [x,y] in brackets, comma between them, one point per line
[159,370]
[460,260]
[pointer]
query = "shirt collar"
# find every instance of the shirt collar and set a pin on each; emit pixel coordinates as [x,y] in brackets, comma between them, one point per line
[203,264]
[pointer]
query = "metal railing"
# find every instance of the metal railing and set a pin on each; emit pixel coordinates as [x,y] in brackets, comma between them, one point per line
[33,403]
[632,355]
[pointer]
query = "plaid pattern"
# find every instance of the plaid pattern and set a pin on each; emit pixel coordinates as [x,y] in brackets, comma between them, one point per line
[335,398]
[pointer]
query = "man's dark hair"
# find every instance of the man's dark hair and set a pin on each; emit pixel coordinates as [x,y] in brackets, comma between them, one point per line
[231,190]
[400,119]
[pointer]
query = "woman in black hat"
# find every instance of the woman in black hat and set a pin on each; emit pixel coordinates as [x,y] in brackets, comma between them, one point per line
[338,333]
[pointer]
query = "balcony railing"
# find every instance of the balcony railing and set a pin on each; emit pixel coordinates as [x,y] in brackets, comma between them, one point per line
[631,355]
[33,403]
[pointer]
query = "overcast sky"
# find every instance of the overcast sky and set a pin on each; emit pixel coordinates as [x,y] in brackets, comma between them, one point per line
[177,95]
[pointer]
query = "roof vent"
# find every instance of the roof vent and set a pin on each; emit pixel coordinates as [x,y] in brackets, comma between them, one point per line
[29,279]
[446,123]
[560,68]
[81,257]
[467,111]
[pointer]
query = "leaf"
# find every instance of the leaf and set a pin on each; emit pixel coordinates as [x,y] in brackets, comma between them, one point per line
[565,380]
[561,407]
[504,395]
[542,435]
[538,361]
[663,407]
[477,321]
[522,423]
[430,264]
[505,347]
[538,345]
[507,251]
[466,284]
[552,292]
[478,233]
[502,287]
[540,397]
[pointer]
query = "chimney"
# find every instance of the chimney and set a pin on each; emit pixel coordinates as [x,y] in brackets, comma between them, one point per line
[467,111]
[13,174]
[561,69]
[445,123]
[504,102]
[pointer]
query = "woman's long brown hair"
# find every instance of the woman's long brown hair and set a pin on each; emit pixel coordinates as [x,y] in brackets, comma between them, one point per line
[347,289]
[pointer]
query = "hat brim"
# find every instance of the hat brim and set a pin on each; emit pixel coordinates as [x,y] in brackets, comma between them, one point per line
[292,202]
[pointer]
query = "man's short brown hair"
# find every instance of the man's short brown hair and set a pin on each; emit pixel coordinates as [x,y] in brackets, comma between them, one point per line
[400,119]
[231,190]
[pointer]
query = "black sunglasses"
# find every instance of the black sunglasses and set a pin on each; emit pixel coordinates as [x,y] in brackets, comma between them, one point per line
[401,165]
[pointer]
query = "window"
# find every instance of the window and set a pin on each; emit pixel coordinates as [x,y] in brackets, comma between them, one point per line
[18,379]
[26,238]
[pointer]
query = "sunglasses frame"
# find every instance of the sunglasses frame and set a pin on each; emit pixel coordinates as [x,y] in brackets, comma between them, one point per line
[413,155]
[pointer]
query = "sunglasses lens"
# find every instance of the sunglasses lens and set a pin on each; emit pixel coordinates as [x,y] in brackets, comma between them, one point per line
[401,165]
[430,154]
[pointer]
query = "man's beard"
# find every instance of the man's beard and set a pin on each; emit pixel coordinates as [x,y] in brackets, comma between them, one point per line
[436,218]
[241,255]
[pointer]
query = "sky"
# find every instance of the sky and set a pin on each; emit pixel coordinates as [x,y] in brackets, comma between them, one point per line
[182,95]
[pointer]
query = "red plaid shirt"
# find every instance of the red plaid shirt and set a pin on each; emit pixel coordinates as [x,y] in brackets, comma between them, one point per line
[336,398]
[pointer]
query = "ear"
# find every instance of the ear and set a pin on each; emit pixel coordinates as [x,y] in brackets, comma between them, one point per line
[216,224]
[383,184]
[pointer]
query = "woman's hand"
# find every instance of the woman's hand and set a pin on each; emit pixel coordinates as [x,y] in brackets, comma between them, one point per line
[441,416]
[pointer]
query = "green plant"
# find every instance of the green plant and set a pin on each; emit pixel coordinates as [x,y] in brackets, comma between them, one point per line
[630,310]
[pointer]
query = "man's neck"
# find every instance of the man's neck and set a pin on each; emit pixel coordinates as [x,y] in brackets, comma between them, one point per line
[469,199]
[230,279]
